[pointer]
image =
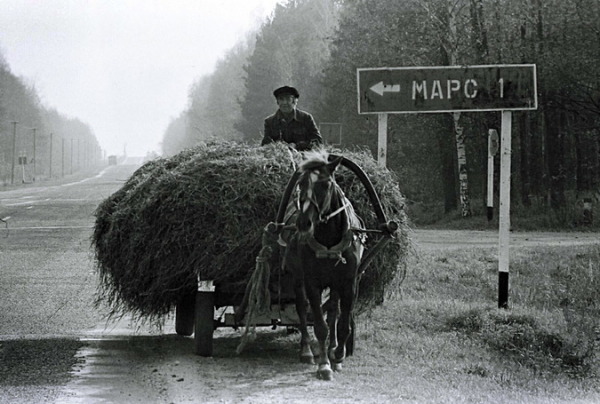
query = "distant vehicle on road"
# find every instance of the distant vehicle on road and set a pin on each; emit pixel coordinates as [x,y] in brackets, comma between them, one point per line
[112,160]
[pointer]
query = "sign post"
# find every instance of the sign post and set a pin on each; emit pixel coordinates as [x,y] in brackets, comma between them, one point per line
[504,225]
[382,139]
[493,145]
[504,88]
[331,132]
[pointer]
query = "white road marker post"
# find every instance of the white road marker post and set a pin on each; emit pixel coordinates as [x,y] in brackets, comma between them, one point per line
[504,225]
[382,139]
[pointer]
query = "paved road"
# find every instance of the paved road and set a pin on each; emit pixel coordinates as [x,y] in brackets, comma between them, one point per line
[449,239]
[47,280]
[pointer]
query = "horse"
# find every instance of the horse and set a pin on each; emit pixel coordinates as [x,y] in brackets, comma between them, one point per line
[324,252]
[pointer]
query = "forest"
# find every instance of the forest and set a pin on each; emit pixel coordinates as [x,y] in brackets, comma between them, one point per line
[318,45]
[37,142]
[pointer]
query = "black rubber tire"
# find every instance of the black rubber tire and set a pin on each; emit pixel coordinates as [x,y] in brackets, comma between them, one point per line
[204,327]
[185,314]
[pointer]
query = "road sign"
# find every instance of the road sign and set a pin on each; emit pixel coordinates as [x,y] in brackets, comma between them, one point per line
[455,89]
[446,89]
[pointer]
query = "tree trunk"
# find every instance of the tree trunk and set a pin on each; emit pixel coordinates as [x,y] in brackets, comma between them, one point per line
[461,153]
[555,151]
[525,134]
[447,147]
[463,178]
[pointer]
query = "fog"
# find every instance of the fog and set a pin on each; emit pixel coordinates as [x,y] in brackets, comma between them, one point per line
[124,67]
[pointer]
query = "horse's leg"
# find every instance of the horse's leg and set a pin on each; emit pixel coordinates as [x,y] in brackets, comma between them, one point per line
[306,355]
[321,331]
[333,312]
[343,326]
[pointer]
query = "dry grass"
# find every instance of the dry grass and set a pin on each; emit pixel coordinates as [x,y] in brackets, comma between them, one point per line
[445,334]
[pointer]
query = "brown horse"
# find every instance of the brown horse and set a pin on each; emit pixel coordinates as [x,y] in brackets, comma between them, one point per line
[324,252]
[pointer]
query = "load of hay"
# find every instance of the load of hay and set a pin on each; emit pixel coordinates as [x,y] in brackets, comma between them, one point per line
[202,212]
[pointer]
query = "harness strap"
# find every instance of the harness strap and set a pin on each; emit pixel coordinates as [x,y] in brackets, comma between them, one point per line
[336,212]
[333,252]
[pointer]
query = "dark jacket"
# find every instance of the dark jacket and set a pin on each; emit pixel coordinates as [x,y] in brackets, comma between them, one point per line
[300,129]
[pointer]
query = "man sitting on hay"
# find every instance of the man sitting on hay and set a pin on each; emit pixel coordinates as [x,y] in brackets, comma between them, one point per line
[290,124]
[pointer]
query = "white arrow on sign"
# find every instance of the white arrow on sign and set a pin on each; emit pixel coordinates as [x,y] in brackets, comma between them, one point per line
[381,88]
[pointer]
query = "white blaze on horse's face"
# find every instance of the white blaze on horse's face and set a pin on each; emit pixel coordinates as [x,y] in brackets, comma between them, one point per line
[313,178]
[308,202]
[305,206]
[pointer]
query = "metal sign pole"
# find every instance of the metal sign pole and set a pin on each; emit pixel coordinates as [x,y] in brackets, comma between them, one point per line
[504,227]
[492,150]
[382,139]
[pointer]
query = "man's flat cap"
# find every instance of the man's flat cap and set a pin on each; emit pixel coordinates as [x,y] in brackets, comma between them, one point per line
[286,90]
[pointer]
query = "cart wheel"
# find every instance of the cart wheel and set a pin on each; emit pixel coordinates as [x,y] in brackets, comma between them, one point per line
[205,312]
[184,315]
[351,338]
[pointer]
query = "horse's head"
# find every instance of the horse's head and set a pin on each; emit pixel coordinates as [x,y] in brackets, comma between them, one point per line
[316,189]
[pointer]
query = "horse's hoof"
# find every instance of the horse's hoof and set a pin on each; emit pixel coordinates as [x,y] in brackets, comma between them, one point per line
[325,373]
[308,359]
[336,362]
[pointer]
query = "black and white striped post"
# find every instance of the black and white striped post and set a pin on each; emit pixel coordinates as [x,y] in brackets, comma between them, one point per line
[504,211]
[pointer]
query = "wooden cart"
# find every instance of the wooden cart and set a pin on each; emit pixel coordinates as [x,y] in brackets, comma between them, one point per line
[195,313]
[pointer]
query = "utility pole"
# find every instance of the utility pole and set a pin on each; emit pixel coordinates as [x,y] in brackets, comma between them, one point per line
[63,158]
[71,156]
[34,156]
[12,172]
[51,155]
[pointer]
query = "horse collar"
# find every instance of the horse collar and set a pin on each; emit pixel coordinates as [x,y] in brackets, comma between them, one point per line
[334,252]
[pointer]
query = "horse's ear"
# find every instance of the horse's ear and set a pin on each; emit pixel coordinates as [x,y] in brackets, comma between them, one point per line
[334,164]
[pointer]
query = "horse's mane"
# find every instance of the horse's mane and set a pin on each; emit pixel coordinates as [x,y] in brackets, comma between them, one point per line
[313,159]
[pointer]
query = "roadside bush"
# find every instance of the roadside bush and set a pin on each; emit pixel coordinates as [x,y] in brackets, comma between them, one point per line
[569,347]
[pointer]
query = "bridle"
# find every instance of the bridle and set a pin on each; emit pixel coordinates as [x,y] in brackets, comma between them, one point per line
[307,198]
[386,228]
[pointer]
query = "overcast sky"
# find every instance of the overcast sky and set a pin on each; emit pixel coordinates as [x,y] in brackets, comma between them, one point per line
[122,66]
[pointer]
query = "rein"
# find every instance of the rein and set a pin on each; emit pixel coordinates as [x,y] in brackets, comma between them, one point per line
[325,218]
[334,252]
[335,212]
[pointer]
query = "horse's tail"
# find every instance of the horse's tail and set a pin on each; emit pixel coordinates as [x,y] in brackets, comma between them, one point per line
[259,296]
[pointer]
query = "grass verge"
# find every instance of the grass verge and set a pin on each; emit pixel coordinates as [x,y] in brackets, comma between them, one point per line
[445,325]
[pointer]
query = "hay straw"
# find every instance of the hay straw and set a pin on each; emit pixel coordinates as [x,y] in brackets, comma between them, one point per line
[202,212]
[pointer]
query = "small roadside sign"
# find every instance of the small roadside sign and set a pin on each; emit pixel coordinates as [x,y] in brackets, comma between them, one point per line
[446,89]
[494,142]
[331,133]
